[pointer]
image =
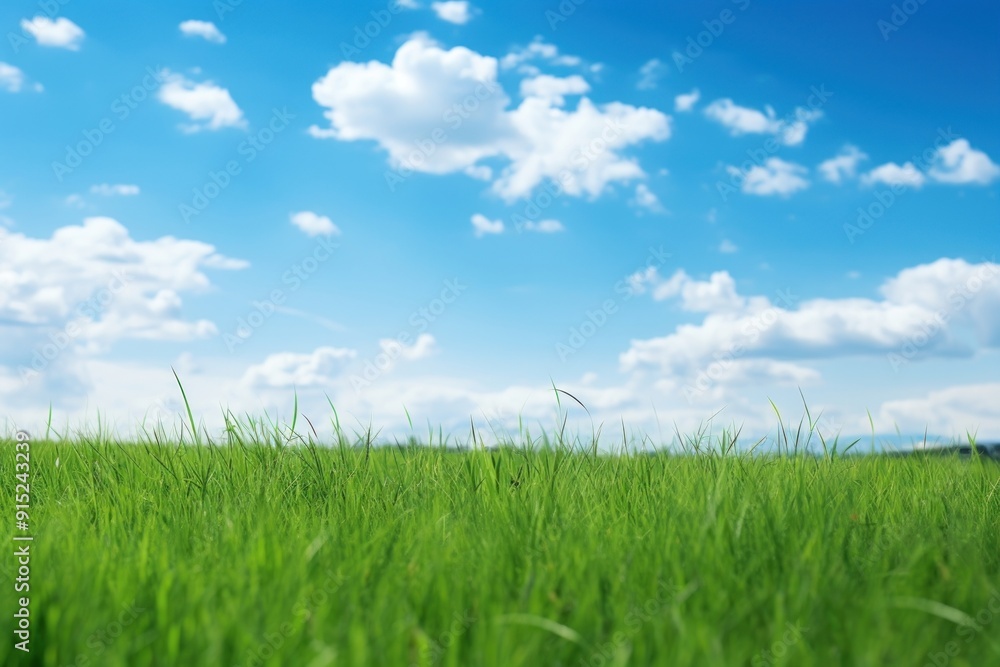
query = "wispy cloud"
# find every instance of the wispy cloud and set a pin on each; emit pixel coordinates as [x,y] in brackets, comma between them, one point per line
[203,29]
[59,33]
[211,107]
[458,12]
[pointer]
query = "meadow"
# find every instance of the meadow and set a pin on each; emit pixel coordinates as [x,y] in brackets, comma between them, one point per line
[266,548]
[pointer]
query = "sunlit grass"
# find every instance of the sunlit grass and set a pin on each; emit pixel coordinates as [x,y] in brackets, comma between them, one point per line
[265,548]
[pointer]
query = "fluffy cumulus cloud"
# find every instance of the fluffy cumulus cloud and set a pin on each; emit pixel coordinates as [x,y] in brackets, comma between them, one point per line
[11,78]
[774,177]
[554,88]
[442,111]
[790,131]
[950,411]
[90,285]
[458,12]
[893,174]
[329,369]
[394,351]
[313,224]
[842,166]
[59,33]
[932,309]
[685,101]
[204,29]
[481,225]
[210,107]
[718,293]
[958,163]
[579,149]
[288,370]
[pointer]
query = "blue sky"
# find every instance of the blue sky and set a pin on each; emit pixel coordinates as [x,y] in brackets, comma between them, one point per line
[667,209]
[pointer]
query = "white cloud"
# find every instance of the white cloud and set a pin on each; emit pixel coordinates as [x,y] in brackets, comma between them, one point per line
[959,163]
[728,247]
[423,347]
[579,149]
[933,307]
[649,74]
[480,172]
[548,226]
[453,11]
[716,294]
[539,49]
[104,283]
[114,190]
[408,100]
[211,107]
[645,198]
[402,104]
[894,174]
[951,411]
[686,101]
[774,177]
[204,29]
[842,166]
[553,88]
[60,33]
[326,368]
[314,224]
[481,225]
[287,370]
[11,78]
[790,131]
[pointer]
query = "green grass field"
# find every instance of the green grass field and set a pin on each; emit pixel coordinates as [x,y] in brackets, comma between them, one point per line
[246,553]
